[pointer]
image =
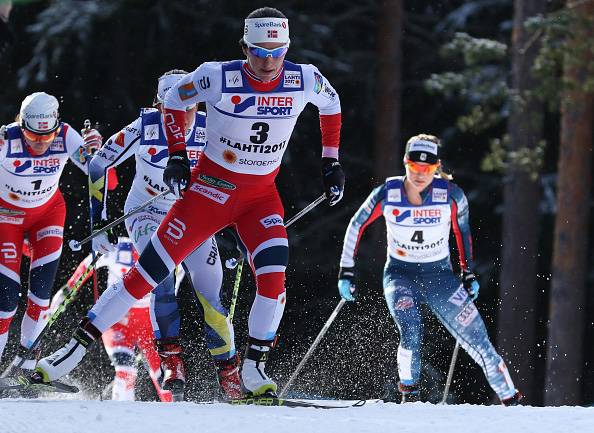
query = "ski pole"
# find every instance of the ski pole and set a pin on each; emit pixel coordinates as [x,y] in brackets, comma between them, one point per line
[232,263]
[450,372]
[84,132]
[314,345]
[61,307]
[76,245]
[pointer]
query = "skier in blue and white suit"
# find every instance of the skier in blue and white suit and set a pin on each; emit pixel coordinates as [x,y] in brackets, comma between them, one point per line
[145,140]
[420,209]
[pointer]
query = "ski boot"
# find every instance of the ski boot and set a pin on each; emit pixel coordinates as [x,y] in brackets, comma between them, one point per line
[514,400]
[254,380]
[172,366]
[410,393]
[63,361]
[228,376]
[27,367]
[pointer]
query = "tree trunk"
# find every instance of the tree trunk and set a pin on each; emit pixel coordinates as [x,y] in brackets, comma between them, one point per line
[567,298]
[387,147]
[519,253]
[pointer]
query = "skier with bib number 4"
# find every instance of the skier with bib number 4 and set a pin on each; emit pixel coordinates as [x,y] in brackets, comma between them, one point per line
[252,108]
[419,210]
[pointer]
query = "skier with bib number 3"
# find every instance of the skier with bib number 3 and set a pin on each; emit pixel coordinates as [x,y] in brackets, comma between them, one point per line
[252,108]
[419,210]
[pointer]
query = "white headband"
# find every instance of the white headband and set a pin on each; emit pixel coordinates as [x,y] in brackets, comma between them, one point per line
[166,82]
[260,30]
[423,146]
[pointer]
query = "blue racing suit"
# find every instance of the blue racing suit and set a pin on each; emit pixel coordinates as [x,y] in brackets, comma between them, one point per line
[419,271]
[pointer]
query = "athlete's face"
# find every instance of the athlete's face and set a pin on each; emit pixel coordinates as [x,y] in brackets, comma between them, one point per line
[39,147]
[418,181]
[265,68]
[190,115]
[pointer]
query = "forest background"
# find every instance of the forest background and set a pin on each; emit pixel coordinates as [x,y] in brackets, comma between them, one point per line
[507,87]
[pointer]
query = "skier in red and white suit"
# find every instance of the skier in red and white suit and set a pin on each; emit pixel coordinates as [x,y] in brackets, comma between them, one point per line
[33,153]
[252,108]
[134,330]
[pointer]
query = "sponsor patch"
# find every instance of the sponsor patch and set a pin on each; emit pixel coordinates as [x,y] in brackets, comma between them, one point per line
[458,297]
[272,220]
[319,82]
[440,195]
[292,79]
[50,231]
[119,140]
[151,132]
[15,146]
[11,220]
[200,135]
[467,315]
[394,195]
[211,193]
[187,91]
[57,144]
[233,79]
[215,181]
[10,212]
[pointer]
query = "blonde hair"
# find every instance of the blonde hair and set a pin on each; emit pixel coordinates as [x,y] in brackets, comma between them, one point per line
[435,140]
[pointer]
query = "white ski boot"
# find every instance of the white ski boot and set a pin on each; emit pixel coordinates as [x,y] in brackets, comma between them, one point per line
[254,380]
[67,358]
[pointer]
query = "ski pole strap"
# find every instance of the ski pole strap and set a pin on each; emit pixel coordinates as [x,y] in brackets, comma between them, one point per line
[61,307]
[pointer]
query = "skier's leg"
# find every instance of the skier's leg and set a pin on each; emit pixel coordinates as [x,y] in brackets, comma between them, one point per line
[10,280]
[181,231]
[143,338]
[120,349]
[262,231]
[403,300]
[45,245]
[451,304]
[204,269]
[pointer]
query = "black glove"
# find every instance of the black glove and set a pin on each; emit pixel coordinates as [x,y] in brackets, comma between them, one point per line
[332,180]
[347,283]
[177,173]
[471,285]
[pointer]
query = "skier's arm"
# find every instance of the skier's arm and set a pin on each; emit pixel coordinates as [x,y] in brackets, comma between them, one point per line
[114,151]
[369,211]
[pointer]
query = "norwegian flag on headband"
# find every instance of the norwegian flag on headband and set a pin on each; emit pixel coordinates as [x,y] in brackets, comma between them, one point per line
[272,34]
[42,125]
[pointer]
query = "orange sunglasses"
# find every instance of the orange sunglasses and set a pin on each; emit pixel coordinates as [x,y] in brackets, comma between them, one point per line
[425,169]
[38,138]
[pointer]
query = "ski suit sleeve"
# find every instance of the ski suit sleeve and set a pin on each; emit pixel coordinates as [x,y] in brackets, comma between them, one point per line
[114,151]
[3,143]
[204,84]
[369,211]
[460,225]
[75,146]
[320,92]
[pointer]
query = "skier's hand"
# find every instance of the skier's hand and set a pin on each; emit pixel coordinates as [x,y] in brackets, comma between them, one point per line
[347,283]
[177,173]
[104,243]
[93,141]
[470,283]
[332,180]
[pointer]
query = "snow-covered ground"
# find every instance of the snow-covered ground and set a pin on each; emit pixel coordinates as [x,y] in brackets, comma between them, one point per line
[92,416]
